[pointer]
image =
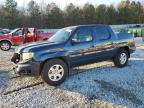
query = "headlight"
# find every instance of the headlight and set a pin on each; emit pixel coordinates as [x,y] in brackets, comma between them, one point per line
[27,56]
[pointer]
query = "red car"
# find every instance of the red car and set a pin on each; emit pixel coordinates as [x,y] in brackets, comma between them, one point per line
[17,37]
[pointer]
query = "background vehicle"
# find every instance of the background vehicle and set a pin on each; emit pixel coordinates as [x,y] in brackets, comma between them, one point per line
[16,37]
[2,32]
[73,46]
[138,32]
[6,30]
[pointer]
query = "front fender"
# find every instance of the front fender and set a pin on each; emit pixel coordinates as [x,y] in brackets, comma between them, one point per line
[42,57]
[49,54]
[7,40]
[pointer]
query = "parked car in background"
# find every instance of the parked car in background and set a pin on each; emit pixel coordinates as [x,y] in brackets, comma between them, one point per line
[72,46]
[17,37]
[6,30]
[138,32]
[2,32]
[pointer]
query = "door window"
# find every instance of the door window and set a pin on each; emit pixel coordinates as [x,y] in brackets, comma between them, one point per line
[18,32]
[82,35]
[102,33]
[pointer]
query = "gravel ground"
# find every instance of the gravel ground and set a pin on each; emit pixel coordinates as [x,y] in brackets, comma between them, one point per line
[99,85]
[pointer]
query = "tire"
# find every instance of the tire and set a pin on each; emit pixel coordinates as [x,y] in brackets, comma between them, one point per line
[5,45]
[50,72]
[121,58]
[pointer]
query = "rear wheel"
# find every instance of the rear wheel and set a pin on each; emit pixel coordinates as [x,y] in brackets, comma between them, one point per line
[5,45]
[121,59]
[54,72]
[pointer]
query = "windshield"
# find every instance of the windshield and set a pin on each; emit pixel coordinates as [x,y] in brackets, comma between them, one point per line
[13,31]
[61,36]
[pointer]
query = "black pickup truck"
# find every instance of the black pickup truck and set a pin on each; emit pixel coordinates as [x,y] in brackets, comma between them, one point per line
[72,46]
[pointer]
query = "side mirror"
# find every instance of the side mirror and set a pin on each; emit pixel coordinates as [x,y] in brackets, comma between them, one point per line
[74,41]
[13,34]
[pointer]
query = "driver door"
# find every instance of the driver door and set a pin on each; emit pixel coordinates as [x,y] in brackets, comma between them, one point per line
[82,50]
[30,35]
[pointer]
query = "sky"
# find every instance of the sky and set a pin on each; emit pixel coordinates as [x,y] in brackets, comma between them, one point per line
[63,3]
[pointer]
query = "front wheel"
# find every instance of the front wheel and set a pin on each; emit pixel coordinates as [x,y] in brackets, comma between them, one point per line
[5,45]
[122,58]
[54,72]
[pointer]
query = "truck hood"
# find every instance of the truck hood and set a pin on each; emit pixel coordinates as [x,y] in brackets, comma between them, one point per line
[36,46]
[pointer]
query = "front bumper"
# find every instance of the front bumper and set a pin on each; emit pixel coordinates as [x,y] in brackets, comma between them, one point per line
[27,68]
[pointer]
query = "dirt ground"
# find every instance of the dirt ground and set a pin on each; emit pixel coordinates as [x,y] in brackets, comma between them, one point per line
[99,85]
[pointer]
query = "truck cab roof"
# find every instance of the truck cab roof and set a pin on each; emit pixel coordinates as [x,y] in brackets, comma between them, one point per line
[87,25]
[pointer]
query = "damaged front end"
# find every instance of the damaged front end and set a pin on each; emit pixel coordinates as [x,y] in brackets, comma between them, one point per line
[16,58]
[25,67]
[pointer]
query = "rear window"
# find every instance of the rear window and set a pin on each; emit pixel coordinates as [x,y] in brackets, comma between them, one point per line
[102,33]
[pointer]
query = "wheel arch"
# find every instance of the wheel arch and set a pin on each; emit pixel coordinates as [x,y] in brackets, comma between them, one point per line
[127,49]
[64,59]
[6,41]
